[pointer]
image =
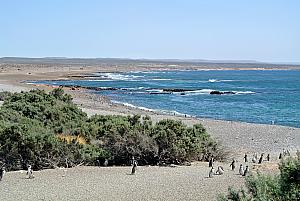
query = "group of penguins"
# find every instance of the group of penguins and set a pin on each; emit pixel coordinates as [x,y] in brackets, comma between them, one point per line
[29,172]
[220,169]
[243,171]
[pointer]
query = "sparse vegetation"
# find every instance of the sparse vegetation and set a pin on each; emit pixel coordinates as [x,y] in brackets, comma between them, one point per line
[48,130]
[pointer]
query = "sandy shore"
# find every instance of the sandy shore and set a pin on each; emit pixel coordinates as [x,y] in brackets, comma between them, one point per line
[151,183]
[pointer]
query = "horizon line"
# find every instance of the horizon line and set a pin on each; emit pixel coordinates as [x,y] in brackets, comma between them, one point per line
[163,59]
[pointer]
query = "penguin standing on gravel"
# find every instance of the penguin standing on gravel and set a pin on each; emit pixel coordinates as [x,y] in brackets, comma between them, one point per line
[30,172]
[246,171]
[211,172]
[232,165]
[254,159]
[288,152]
[134,167]
[211,162]
[268,157]
[220,170]
[246,158]
[105,163]
[241,170]
[2,173]
[261,158]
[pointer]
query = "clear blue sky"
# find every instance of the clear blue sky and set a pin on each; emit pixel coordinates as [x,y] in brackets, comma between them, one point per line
[264,30]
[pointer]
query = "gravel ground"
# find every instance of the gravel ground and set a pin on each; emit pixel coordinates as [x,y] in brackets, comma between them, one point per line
[115,183]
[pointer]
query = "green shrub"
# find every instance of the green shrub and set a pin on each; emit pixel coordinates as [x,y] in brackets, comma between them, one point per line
[43,129]
[4,95]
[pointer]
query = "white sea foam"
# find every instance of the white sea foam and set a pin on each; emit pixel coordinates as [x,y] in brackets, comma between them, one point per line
[170,112]
[213,80]
[195,92]
[117,76]
[133,106]
[244,92]
[155,90]
[216,80]
[208,91]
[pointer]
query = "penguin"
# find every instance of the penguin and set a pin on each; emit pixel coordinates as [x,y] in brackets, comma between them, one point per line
[254,159]
[98,163]
[220,170]
[246,171]
[232,165]
[246,158]
[2,173]
[261,158]
[268,157]
[211,162]
[134,167]
[30,172]
[105,163]
[241,170]
[132,160]
[288,152]
[280,156]
[211,172]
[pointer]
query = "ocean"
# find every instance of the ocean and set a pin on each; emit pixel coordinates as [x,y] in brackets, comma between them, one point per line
[266,97]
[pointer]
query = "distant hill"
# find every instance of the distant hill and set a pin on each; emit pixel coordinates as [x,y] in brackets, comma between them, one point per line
[123,60]
[127,61]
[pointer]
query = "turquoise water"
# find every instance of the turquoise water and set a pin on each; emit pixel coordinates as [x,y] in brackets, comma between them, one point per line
[259,96]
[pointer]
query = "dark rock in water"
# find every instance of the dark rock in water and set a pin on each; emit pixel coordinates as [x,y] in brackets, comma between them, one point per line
[228,92]
[221,92]
[216,92]
[176,90]
[107,89]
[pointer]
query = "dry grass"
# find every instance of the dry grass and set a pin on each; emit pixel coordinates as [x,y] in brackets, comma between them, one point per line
[70,138]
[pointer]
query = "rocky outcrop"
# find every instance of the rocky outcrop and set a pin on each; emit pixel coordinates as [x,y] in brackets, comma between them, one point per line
[221,92]
[176,90]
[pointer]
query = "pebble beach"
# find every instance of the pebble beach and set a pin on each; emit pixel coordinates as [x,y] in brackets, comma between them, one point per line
[150,183]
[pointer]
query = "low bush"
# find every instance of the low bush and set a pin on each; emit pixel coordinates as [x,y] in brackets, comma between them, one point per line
[48,130]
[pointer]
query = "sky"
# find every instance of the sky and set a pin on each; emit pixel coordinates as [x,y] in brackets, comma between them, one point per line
[267,30]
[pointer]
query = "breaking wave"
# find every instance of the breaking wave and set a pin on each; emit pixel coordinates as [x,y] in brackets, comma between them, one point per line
[117,76]
[169,112]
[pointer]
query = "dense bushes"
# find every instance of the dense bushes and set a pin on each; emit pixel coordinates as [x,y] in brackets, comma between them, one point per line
[285,186]
[48,130]
[4,95]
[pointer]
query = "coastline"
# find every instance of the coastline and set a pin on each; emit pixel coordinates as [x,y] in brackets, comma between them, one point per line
[236,137]
[153,182]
